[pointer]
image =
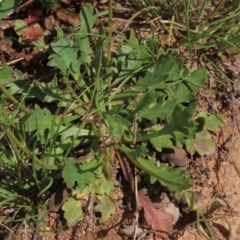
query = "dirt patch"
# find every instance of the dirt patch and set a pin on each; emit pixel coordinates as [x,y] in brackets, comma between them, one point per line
[223,183]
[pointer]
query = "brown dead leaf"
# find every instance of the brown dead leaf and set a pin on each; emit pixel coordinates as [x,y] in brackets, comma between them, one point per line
[31,20]
[67,2]
[127,173]
[32,33]
[6,46]
[69,17]
[35,56]
[157,219]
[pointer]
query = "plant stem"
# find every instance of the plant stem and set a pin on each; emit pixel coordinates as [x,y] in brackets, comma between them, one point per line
[187,13]
[22,146]
[207,226]
[14,100]
[110,31]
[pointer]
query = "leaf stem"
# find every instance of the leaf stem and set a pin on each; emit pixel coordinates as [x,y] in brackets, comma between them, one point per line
[23,147]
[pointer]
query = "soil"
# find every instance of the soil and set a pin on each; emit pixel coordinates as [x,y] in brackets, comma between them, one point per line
[215,177]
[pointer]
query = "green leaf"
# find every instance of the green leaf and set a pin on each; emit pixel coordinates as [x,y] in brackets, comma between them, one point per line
[216,204]
[214,121]
[196,79]
[202,144]
[8,6]
[139,151]
[74,69]
[27,91]
[206,147]
[65,49]
[82,174]
[107,185]
[117,124]
[70,172]
[73,131]
[181,121]
[162,72]
[161,142]
[53,93]
[159,110]
[165,68]
[5,74]
[185,89]
[82,39]
[6,158]
[39,120]
[59,62]
[172,178]
[179,126]
[105,207]
[87,19]
[230,43]
[145,102]
[20,26]
[72,211]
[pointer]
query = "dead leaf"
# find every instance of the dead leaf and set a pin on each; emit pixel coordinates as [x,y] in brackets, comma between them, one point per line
[35,56]
[69,17]
[127,173]
[173,209]
[67,2]
[6,46]
[157,219]
[31,20]
[32,33]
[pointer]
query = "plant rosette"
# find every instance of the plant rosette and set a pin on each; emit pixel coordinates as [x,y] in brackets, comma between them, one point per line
[29,31]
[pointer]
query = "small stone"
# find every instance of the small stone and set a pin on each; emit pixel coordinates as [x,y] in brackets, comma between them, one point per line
[176,157]
[218,188]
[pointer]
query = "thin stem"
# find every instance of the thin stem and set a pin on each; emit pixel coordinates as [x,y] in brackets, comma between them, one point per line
[206,225]
[14,100]
[110,31]
[23,147]
[187,13]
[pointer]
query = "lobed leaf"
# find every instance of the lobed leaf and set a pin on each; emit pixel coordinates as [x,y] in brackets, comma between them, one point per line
[73,173]
[72,211]
[172,178]
[105,207]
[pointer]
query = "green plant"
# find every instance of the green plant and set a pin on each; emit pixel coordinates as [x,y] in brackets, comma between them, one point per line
[7,7]
[106,107]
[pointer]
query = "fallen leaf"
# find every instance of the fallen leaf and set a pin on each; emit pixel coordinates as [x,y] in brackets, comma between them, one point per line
[173,209]
[32,33]
[69,17]
[6,47]
[157,219]
[35,56]
[31,20]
